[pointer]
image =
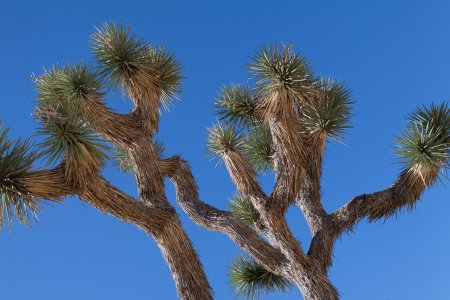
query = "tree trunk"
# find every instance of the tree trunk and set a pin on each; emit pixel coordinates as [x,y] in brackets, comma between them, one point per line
[183,262]
[315,285]
[175,245]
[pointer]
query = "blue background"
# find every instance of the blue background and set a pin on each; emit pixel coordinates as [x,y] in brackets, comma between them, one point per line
[394,56]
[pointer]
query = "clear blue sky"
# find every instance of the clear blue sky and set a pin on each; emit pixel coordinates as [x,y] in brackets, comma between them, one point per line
[394,56]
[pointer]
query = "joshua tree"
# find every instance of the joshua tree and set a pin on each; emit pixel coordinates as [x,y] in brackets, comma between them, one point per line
[282,124]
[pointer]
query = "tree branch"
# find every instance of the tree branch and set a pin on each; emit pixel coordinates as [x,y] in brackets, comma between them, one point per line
[214,219]
[309,197]
[244,177]
[121,129]
[404,192]
[161,223]
[278,231]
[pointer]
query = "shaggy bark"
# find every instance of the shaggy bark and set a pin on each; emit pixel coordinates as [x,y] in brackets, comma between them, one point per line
[160,223]
[217,220]
[175,245]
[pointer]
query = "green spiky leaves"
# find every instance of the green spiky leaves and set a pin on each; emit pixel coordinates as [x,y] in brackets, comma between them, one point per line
[237,103]
[69,90]
[67,98]
[16,160]
[74,143]
[330,113]
[132,63]
[258,147]
[278,68]
[167,69]
[65,138]
[249,280]
[224,137]
[120,53]
[424,144]
[244,210]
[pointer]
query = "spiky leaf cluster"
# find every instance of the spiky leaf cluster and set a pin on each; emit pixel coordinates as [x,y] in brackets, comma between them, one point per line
[16,160]
[224,137]
[330,113]
[132,63]
[258,147]
[249,280]
[65,99]
[237,103]
[276,67]
[68,90]
[120,53]
[244,210]
[168,69]
[424,143]
[68,139]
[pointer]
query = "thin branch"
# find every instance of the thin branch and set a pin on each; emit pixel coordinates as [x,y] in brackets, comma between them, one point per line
[404,192]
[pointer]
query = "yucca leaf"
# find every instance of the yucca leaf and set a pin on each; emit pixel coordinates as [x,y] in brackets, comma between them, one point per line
[331,112]
[75,143]
[436,116]
[130,62]
[423,147]
[64,138]
[237,103]
[167,69]
[249,280]
[68,90]
[119,52]
[244,210]
[224,137]
[424,143]
[122,160]
[16,160]
[258,147]
[276,67]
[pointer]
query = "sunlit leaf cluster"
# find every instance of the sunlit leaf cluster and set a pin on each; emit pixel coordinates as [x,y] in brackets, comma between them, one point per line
[125,59]
[168,69]
[258,147]
[330,113]
[67,90]
[425,141]
[276,67]
[281,75]
[224,137]
[237,103]
[119,52]
[65,138]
